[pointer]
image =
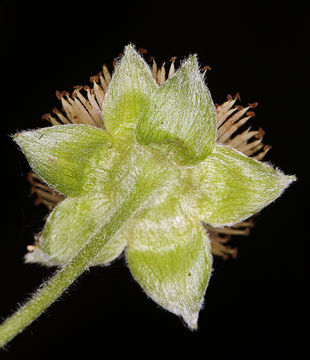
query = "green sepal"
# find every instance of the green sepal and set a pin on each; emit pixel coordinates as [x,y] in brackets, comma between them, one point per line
[60,154]
[71,224]
[230,187]
[128,93]
[181,112]
[170,257]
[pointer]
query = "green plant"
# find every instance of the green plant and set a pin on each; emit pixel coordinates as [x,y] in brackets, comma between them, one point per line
[144,177]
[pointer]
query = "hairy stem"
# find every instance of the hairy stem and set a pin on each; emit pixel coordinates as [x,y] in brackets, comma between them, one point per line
[63,278]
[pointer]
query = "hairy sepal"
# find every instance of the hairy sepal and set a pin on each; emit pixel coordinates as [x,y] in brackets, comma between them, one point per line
[111,182]
[128,93]
[181,112]
[170,257]
[71,224]
[60,154]
[231,187]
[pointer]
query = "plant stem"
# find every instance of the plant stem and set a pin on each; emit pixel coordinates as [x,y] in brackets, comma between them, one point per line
[63,278]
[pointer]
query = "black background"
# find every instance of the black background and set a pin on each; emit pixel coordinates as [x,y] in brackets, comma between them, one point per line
[254,306]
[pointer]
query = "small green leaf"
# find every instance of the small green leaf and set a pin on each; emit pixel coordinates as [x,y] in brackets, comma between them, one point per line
[129,91]
[60,154]
[70,226]
[181,112]
[231,186]
[169,256]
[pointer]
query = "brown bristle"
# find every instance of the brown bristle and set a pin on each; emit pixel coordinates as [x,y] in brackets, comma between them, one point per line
[247,232]
[173,59]
[206,67]
[229,97]
[253,105]
[237,96]
[38,200]
[94,78]
[250,113]
[55,110]
[30,178]
[78,87]
[46,116]
[61,94]
[260,133]
[58,94]
[74,93]
[234,253]
[142,51]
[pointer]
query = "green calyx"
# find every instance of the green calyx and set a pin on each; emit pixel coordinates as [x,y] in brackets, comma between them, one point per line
[128,94]
[157,142]
[181,112]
